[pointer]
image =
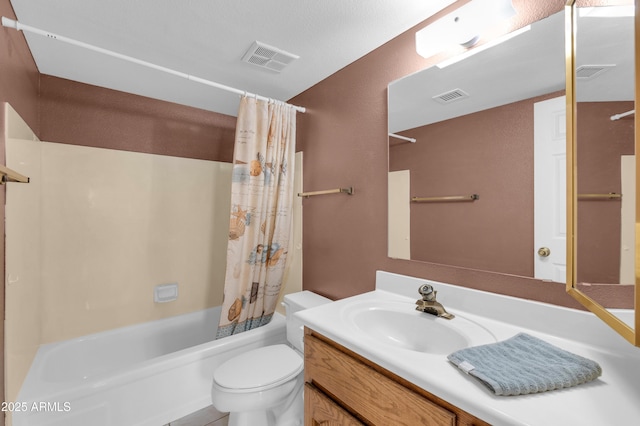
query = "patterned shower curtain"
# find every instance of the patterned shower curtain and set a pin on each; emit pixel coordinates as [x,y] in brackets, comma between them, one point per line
[261,214]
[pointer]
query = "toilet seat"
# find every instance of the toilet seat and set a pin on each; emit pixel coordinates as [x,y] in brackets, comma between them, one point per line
[259,369]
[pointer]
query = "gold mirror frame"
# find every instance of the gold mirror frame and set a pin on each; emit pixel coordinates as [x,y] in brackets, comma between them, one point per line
[632,334]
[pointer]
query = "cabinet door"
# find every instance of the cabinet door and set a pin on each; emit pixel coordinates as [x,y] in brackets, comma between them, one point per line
[376,398]
[319,410]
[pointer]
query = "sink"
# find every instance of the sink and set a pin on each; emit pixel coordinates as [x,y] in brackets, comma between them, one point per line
[398,324]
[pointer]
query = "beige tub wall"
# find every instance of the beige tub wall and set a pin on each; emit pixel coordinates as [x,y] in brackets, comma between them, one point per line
[73,263]
[118,223]
[23,317]
[16,127]
[109,238]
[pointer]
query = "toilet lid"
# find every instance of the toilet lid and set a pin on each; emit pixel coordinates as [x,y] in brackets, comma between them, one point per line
[259,367]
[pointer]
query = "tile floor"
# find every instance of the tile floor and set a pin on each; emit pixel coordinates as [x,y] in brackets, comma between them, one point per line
[208,416]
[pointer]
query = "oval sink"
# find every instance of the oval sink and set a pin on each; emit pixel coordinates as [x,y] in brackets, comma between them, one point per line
[399,325]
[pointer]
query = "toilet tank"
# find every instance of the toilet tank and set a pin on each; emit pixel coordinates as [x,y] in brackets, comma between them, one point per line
[296,302]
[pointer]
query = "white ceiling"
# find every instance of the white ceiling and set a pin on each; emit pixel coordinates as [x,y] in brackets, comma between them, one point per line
[207,39]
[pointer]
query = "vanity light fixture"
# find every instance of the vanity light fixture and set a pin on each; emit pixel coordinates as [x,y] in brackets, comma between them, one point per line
[462,27]
[485,46]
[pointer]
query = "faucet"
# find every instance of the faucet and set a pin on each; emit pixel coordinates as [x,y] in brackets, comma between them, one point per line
[429,304]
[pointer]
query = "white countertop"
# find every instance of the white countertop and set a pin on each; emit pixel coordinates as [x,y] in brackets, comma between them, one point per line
[613,398]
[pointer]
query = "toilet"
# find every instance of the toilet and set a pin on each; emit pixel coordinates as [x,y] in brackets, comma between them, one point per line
[263,386]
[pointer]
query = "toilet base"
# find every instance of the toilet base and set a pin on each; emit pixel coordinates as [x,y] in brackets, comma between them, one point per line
[289,413]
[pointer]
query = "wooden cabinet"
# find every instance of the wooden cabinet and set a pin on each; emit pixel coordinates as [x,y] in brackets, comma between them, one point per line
[343,388]
[321,410]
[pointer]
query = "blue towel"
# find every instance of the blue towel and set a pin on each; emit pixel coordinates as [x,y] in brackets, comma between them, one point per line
[523,365]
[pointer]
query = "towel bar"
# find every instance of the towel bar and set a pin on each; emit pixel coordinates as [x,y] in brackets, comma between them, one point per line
[471,197]
[348,191]
[9,175]
[609,196]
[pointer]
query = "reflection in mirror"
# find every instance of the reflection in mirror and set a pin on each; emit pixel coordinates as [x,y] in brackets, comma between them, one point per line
[605,210]
[605,148]
[474,125]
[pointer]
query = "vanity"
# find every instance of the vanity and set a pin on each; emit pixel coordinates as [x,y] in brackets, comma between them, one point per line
[372,392]
[374,359]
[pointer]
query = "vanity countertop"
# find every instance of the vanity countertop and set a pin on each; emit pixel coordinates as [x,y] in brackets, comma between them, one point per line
[610,399]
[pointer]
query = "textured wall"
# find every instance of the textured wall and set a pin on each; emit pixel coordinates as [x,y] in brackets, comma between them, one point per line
[81,114]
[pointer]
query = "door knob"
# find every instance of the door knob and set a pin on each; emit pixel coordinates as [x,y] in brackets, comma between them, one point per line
[544,251]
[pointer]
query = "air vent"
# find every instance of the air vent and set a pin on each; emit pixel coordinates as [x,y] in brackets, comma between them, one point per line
[268,57]
[586,72]
[451,96]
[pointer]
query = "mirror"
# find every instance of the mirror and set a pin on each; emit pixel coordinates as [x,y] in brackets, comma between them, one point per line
[473,122]
[602,179]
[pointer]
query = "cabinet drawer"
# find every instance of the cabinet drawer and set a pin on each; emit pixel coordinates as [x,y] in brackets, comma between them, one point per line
[376,398]
[319,410]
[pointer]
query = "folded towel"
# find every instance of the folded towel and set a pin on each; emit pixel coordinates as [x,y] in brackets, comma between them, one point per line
[524,364]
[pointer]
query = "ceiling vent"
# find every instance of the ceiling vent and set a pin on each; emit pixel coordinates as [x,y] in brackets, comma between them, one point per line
[451,96]
[586,72]
[268,57]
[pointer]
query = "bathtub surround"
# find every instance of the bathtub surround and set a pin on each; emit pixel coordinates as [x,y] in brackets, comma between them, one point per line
[261,214]
[96,230]
[115,224]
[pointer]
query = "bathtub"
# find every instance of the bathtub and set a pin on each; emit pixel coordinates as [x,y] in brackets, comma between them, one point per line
[142,375]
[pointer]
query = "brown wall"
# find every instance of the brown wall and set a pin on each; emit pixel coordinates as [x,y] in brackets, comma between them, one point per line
[344,137]
[81,114]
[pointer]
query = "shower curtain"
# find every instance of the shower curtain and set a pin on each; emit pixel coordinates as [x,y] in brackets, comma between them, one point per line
[261,214]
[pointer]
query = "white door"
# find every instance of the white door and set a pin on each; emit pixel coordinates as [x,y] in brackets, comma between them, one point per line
[550,223]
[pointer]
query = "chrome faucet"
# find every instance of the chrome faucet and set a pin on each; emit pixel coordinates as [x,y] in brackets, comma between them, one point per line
[429,304]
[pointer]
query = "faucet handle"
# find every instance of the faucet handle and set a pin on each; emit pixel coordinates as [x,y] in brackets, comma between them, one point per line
[427,292]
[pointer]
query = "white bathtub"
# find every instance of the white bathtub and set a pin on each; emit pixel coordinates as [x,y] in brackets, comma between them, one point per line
[142,375]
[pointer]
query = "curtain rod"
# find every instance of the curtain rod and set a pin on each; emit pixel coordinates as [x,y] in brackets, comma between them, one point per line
[10,23]
[404,138]
[621,115]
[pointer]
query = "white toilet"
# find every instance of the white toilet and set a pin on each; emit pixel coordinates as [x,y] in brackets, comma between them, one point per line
[263,387]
